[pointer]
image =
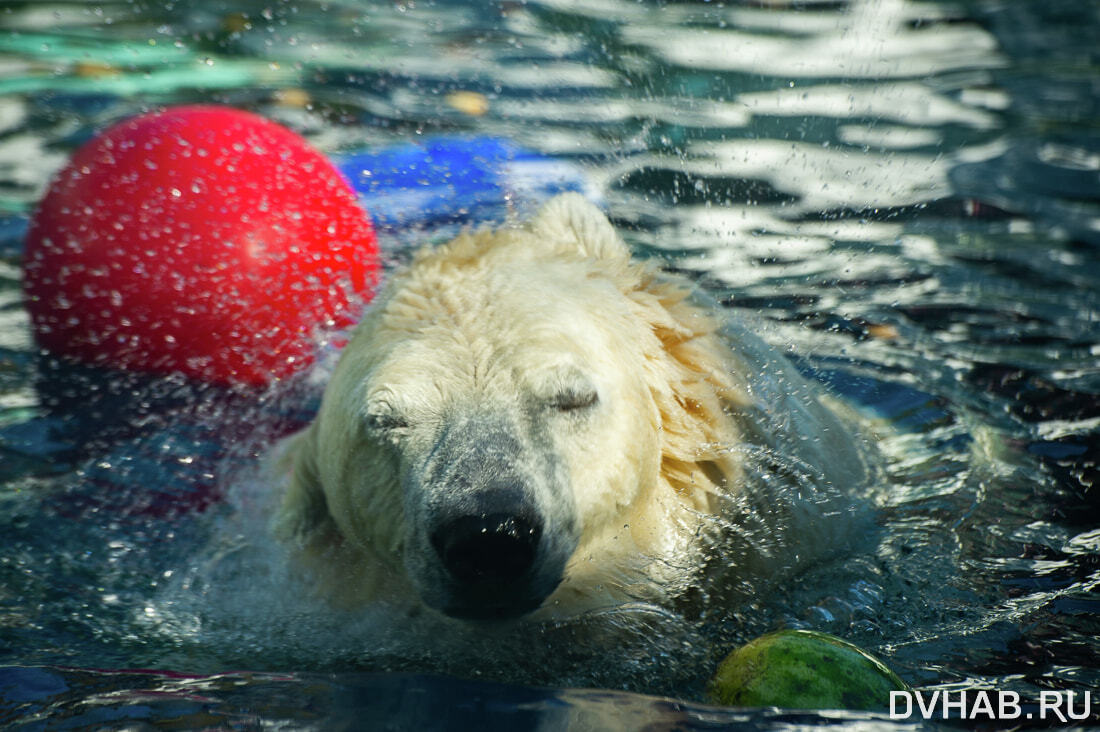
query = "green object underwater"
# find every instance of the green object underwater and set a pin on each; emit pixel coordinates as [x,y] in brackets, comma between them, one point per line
[803,669]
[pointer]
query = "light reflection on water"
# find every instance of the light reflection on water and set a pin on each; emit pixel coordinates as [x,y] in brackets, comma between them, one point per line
[872,39]
[905,192]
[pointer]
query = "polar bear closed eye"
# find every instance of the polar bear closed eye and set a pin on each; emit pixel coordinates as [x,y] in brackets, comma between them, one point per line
[529,421]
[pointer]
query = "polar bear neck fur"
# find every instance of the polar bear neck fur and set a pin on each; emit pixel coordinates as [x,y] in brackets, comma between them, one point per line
[343,503]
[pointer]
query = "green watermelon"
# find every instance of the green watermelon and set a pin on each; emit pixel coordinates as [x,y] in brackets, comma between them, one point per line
[803,669]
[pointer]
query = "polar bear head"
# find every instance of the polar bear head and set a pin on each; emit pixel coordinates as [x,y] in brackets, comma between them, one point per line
[522,416]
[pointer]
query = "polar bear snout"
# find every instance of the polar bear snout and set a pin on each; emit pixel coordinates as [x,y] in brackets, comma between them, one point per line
[490,522]
[493,557]
[487,547]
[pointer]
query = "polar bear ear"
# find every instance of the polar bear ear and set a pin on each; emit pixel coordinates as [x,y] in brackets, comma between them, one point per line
[569,219]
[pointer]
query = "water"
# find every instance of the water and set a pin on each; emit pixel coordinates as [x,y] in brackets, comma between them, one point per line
[905,193]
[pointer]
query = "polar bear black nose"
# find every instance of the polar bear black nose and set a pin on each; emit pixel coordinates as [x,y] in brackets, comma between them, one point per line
[484,548]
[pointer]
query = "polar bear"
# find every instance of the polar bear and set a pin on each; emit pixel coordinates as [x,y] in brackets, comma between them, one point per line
[530,423]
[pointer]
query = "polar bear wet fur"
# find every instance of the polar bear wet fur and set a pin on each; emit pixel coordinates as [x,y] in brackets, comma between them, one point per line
[529,421]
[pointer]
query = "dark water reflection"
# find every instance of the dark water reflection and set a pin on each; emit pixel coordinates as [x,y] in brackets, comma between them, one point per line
[907,194]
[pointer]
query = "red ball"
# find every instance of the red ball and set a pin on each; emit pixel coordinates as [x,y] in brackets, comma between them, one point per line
[200,240]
